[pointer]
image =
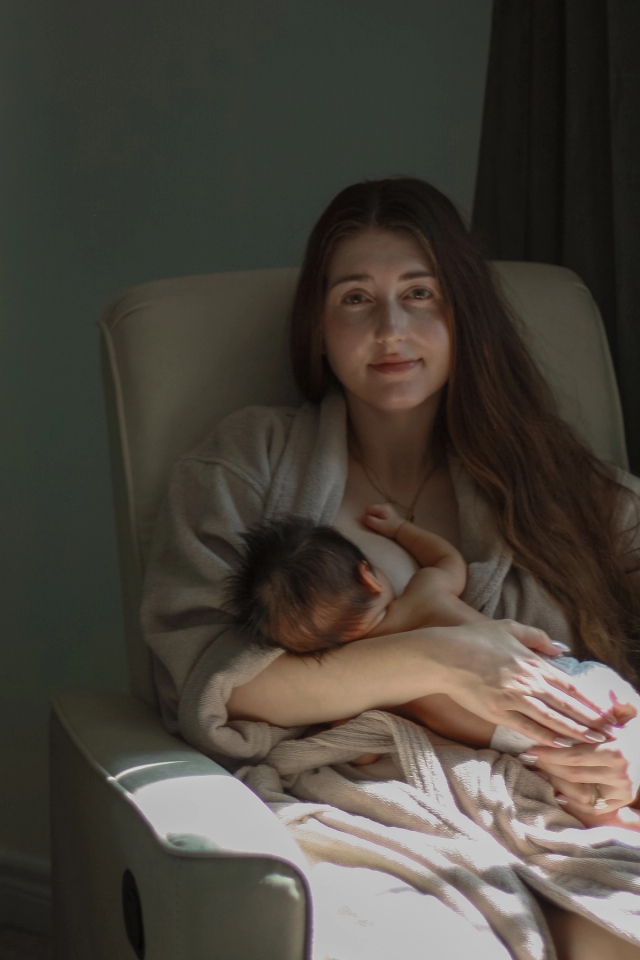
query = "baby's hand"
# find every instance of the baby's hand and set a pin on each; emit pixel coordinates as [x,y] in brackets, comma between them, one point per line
[382,518]
[623,712]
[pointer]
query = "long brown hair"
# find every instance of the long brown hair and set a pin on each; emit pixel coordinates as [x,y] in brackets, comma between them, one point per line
[556,505]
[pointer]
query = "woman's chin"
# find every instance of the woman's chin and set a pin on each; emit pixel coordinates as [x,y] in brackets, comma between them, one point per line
[395,399]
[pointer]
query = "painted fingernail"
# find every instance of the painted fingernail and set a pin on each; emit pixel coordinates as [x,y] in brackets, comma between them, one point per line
[528,758]
[595,737]
[560,646]
[562,742]
[563,801]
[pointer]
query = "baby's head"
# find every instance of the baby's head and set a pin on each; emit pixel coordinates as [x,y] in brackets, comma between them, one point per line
[305,587]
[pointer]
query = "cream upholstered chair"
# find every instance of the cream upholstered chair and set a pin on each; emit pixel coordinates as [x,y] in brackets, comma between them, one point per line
[157,851]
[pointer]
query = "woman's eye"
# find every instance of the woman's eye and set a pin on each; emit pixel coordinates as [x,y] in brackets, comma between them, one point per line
[350,298]
[422,293]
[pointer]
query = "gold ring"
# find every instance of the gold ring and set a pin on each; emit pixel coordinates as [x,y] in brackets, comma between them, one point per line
[599,803]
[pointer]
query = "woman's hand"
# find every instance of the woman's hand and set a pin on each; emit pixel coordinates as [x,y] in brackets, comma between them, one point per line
[491,668]
[614,766]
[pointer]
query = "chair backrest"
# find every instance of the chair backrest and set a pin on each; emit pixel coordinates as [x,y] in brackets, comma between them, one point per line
[179,355]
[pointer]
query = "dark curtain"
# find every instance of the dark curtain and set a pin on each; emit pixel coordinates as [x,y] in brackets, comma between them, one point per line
[559,168]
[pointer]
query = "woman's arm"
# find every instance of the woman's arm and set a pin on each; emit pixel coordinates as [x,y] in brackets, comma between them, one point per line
[443,715]
[294,691]
[488,667]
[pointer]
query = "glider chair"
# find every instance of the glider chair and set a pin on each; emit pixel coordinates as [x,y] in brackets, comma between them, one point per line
[158,852]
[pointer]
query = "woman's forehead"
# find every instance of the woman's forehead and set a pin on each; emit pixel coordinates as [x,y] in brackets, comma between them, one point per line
[374,252]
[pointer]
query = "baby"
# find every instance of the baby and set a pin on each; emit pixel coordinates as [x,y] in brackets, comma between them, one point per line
[307,589]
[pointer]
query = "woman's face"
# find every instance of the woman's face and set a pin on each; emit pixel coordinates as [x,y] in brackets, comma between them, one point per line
[386,334]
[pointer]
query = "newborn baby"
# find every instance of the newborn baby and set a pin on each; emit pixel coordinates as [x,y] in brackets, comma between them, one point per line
[307,589]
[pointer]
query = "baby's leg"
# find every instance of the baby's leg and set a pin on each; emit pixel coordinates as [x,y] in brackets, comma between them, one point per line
[366,758]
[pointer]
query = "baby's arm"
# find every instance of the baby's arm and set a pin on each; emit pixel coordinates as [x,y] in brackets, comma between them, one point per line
[428,549]
[432,596]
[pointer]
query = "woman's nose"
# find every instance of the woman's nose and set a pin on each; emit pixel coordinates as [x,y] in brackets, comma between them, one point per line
[391,321]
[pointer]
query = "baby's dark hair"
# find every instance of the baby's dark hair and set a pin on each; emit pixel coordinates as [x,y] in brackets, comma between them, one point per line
[297,586]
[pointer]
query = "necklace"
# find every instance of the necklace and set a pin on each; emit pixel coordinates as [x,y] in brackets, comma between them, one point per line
[375,483]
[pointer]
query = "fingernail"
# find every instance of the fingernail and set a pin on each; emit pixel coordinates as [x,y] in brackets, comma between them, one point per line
[563,801]
[562,742]
[528,758]
[560,646]
[595,737]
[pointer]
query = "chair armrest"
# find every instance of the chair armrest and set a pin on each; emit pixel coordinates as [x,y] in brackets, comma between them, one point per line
[210,863]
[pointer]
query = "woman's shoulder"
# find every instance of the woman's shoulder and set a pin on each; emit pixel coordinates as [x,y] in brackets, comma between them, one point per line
[248,441]
[241,430]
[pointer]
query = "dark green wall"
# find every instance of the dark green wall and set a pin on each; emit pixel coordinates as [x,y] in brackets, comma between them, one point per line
[139,141]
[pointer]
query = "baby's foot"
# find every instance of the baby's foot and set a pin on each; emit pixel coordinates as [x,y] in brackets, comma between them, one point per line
[366,759]
[383,518]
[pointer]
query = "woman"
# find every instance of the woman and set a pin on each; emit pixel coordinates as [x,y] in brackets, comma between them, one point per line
[420,391]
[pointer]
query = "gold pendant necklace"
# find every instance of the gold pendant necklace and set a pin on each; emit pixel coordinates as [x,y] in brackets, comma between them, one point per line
[371,477]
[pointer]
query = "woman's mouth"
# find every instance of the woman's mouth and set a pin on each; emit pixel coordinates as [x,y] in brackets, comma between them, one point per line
[392,365]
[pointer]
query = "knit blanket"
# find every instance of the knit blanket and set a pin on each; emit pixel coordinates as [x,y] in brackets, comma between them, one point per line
[440,859]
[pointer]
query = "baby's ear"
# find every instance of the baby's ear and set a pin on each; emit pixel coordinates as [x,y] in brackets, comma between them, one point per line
[368,578]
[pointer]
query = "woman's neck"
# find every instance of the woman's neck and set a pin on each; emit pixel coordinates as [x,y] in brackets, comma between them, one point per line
[396,446]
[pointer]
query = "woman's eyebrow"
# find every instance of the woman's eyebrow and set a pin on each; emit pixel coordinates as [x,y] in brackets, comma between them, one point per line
[350,278]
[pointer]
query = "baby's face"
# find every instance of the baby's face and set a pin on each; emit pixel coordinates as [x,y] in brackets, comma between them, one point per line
[376,612]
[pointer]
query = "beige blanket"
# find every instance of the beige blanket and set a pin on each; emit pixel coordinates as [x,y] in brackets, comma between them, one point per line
[472,829]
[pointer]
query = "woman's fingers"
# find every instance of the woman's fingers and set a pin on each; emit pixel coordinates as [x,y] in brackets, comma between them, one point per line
[557,726]
[583,755]
[580,709]
[578,799]
[583,775]
[495,677]
[579,720]
[534,731]
[572,694]
[534,639]
[582,766]
[538,703]
[543,729]
[540,642]
[601,705]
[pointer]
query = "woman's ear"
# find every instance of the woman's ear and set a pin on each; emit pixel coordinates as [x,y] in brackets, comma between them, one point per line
[368,578]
